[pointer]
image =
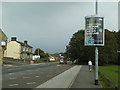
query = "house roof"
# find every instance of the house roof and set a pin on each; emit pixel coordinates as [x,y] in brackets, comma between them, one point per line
[23,44]
[54,55]
[3,33]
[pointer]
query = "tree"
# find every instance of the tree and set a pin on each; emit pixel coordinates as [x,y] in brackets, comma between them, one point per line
[117,34]
[77,50]
[108,53]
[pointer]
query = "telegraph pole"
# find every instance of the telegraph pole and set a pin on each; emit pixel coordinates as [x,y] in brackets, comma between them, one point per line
[24,54]
[96,53]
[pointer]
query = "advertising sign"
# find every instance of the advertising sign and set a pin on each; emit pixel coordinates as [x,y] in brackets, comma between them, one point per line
[94,31]
[35,57]
[3,43]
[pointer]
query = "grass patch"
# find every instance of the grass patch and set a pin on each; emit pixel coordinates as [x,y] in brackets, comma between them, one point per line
[104,82]
[111,71]
[57,60]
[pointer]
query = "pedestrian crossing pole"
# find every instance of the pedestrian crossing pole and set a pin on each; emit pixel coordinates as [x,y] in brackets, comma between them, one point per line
[96,55]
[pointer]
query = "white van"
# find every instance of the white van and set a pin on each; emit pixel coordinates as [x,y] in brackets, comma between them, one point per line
[52,59]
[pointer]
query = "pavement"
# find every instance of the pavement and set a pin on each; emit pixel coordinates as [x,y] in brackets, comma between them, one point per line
[85,79]
[76,77]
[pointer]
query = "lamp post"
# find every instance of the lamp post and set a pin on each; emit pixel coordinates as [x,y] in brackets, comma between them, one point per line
[94,35]
[96,55]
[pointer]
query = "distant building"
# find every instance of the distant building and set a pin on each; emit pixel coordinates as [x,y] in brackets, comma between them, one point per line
[18,50]
[3,45]
[53,57]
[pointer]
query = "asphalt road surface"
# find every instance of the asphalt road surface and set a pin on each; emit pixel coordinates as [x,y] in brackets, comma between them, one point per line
[31,76]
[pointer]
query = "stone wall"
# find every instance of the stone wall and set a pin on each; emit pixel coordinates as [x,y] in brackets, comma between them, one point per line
[17,61]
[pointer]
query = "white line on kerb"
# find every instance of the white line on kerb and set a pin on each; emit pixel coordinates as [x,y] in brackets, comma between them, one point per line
[13,85]
[31,83]
[12,78]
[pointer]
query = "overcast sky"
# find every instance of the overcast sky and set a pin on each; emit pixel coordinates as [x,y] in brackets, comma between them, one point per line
[50,25]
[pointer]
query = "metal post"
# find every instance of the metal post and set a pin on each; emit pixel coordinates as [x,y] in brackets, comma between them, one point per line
[24,54]
[96,9]
[38,55]
[96,54]
[96,66]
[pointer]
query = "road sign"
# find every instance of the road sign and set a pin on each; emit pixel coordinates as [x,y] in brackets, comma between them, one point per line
[94,30]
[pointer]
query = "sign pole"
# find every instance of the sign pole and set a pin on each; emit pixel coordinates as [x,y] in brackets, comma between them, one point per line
[96,56]
[94,35]
[96,65]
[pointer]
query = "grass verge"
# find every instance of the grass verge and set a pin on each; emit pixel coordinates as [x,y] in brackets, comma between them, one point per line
[111,71]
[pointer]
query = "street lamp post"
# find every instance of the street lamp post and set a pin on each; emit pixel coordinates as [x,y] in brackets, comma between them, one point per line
[96,55]
[94,35]
[96,65]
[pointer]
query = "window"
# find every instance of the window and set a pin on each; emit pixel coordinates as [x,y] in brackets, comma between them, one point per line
[23,48]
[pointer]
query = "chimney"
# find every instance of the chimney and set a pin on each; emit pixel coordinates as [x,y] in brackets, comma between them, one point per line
[25,42]
[13,38]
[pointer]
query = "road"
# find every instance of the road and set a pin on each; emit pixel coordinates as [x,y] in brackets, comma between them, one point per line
[31,76]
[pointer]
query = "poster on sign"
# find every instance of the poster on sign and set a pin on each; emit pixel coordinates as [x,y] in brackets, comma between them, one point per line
[94,30]
[3,43]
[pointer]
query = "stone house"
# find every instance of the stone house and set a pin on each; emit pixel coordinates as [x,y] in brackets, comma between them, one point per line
[18,50]
[3,45]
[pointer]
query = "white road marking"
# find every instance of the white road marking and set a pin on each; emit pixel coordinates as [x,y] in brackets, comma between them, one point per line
[10,69]
[13,85]
[31,83]
[37,76]
[12,78]
[26,77]
[28,70]
[8,65]
[59,65]
[11,73]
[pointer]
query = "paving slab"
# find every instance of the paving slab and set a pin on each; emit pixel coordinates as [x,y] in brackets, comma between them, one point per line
[85,79]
